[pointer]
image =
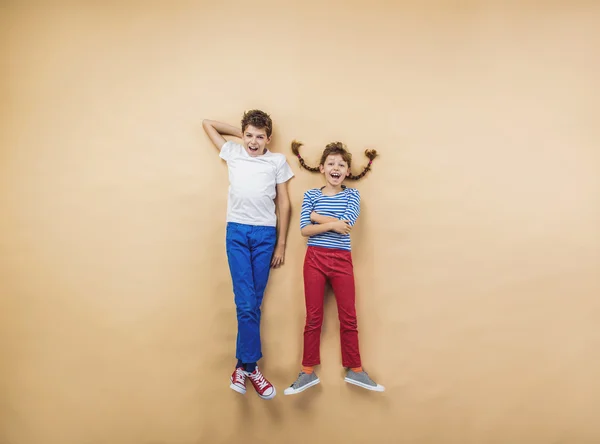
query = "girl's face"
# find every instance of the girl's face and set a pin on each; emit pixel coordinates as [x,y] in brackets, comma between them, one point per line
[335,169]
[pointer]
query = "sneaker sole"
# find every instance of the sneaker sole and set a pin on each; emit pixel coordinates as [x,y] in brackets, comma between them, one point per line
[232,386]
[378,388]
[301,389]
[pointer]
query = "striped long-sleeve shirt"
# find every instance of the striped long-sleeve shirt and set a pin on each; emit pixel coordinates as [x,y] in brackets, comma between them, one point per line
[344,206]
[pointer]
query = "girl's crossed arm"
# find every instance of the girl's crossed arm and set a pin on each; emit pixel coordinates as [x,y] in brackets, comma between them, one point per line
[339,226]
[350,215]
[307,228]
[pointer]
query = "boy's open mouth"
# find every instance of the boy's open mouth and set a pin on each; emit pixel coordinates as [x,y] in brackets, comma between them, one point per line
[335,175]
[254,149]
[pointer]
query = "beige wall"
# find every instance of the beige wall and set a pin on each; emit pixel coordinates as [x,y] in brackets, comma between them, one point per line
[477,252]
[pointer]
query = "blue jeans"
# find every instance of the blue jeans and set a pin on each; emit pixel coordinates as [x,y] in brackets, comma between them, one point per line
[249,253]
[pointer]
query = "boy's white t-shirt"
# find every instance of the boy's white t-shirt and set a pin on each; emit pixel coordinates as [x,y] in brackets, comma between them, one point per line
[252,184]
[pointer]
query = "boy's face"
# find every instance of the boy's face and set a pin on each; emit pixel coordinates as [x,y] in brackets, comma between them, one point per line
[255,140]
[335,169]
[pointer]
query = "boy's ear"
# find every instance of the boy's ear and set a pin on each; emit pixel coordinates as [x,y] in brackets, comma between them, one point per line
[321,169]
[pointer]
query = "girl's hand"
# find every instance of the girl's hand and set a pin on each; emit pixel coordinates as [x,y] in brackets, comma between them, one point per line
[341,227]
[278,256]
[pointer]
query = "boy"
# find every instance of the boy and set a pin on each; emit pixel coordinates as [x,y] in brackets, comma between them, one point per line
[257,189]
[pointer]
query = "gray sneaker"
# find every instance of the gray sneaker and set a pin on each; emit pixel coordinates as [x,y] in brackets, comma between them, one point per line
[304,381]
[363,380]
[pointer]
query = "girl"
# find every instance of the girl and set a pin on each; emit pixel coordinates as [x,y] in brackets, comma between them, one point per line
[327,217]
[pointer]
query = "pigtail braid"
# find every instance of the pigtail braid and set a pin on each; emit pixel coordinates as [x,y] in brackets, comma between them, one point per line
[371,154]
[296,150]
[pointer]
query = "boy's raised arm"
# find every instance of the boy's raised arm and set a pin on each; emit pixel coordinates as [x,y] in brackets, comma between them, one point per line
[216,130]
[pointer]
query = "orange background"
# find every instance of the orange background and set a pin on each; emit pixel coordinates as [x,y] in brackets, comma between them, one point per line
[476,253]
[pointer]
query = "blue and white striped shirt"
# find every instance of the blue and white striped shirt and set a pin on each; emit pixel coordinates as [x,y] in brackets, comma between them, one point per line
[345,205]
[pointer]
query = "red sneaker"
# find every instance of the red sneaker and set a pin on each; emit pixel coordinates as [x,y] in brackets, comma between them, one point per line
[238,380]
[263,387]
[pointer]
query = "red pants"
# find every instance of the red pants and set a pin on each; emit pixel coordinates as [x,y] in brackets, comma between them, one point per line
[320,265]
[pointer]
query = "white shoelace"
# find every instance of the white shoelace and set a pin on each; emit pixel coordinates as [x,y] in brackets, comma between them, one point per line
[259,379]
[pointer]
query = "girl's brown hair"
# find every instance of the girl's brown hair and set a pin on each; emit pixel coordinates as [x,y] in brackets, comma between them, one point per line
[335,148]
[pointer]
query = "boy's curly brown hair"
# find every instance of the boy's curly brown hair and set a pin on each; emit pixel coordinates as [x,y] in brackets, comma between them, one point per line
[258,119]
[335,148]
